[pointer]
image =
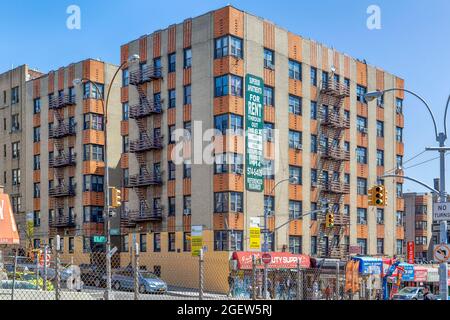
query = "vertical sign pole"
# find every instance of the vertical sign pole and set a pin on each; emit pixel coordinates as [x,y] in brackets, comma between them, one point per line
[443,268]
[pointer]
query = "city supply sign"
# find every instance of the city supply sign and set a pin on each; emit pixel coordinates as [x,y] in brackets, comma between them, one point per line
[254,124]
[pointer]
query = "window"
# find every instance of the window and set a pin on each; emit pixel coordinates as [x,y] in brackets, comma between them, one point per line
[236,124]
[71,245]
[172,207]
[399,247]
[221,123]
[16,203]
[125,77]
[187,95]
[236,86]
[380,246]
[37,162]
[361,216]
[313,245]
[93,183]
[125,243]
[228,45]
[269,205]
[347,146]
[36,219]
[295,172]
[36,134]
[15,146]
[125,144]
[125,111]
[187,126]
[172,99]
[93,121]
[313,110]
[380,129]
[360,93]
[295,244]
[37,190]
[421,241]
[399,218]
[295,105]
[221,86]
[380,216]
[268,169]
[228,202]
[172,62]
[399,190]
[295,140]
[93,152]
[324,77]
[295,209]
[229,163]
[362,186]
[313,143]
[421,225]
[93,91]
[15,95]
[269,59]
[399,134]
[15,123]
[347,83]
[93,214]
[143,243]
[37,105]
[229,121]
[361,155]
[295,70]
[187,171]
[399,105]
[314,76]
[361,124]
[236,202]
[171,242]
[172,170]
[157,242]
[187,206]
[187,58]
[380,158]
[362,243]
[15,177]
[346,210]
[313,208]
[269,99]
[268,132]
[221,241]
[314,177]
[399,160]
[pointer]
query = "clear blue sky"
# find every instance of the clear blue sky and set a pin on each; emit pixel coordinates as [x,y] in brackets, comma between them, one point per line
[413,42]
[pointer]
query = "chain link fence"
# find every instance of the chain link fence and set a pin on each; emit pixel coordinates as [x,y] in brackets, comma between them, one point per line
[143,276]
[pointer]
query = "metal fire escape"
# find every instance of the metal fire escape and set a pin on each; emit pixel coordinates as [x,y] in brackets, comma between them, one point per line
[146,142]
[331,164]
[61,160]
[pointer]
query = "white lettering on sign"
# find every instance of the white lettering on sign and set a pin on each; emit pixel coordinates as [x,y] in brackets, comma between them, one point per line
[2,205]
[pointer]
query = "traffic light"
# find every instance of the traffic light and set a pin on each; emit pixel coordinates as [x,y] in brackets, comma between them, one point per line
[330,220]
[377,196]
[116,198]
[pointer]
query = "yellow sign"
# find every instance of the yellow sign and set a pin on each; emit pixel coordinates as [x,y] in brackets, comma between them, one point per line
[196,240]
[255,239]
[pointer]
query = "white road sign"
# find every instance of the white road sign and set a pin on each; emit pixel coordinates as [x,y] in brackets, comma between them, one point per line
[441,211]
[441,253]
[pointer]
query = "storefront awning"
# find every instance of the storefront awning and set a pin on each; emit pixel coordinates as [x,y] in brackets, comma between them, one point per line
[8,227]
[369,265]
[420,274]
[280,260]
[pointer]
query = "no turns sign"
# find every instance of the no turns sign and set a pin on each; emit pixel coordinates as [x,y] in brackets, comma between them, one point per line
[441,253]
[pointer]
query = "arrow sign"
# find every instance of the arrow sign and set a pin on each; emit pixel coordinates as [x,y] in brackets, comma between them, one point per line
[112,252]
[441,253]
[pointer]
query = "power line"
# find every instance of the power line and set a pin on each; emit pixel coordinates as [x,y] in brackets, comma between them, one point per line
[406,161]
[424,162]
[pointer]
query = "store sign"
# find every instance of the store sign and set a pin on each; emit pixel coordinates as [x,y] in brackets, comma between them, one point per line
[279,260]
[369,265]
[410,252]
[408,275]
[196,240]
[254,124]
[420,274]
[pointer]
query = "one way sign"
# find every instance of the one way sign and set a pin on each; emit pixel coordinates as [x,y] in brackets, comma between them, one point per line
[441,211]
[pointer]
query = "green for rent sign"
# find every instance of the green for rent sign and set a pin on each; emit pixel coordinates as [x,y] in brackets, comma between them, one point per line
[254,124]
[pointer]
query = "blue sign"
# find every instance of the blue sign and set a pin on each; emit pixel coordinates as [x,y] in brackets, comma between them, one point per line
[409,271]
[368,265]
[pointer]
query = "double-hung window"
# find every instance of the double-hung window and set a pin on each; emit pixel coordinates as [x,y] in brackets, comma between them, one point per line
[295,105]
[172,62]
[228,45]
[314,76]
[269,59]
[361,217]
[361,155]
[187,58]
[295,209]
[269,99]
[361,124]
[295,140]
[360,93]
[295,173]
[37,105]
[361,187]
[295,70]
[380,158]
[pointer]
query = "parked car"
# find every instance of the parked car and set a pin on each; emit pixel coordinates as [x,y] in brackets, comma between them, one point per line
[409,293]
[93,275]
[148,282]
[24,285]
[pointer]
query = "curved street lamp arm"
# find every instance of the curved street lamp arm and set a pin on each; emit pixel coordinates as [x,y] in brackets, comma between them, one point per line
[411,179]
[277,184]
[445,115]
[424,102]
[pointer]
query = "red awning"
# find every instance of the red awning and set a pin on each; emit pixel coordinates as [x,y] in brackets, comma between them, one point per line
[280,260]
[8,227]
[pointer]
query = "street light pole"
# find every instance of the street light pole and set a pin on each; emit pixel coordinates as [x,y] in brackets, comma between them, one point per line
[441,138]
[266,234]
[105,103]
